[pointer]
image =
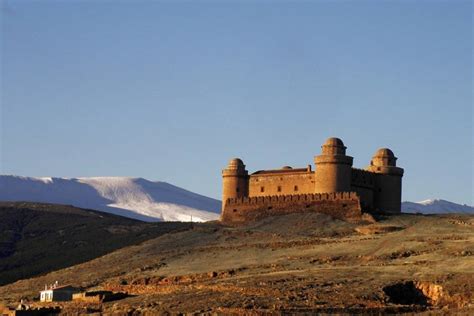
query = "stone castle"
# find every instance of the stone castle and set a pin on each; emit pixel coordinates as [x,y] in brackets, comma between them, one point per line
[334,187]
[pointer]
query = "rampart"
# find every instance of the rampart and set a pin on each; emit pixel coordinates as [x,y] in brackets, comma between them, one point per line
[342,205]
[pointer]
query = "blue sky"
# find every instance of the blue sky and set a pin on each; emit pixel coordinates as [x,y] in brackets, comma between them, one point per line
[171,90]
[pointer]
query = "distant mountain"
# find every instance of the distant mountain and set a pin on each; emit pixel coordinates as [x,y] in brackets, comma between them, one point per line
[436,206]
[130,197]
[146,200]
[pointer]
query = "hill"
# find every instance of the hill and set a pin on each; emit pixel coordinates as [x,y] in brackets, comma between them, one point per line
[130,197]
[37,238]
[296,263]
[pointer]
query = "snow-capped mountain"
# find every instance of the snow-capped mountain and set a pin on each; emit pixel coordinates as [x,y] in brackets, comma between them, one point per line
[131,197]
[436,206]
[149,201]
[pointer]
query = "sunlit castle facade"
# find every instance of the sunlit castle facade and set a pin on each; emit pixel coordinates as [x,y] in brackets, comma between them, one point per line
[378,186]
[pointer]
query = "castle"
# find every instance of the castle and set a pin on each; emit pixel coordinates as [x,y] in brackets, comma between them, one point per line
[334,187]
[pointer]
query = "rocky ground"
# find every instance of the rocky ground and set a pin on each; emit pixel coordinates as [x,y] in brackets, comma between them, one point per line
[298,263]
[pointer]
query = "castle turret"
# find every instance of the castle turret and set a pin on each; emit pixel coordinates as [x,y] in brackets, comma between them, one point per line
[235,181]
[333,168]
[388,181]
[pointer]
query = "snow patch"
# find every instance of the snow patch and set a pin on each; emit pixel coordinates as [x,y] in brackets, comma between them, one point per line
[131,197]
[436,206]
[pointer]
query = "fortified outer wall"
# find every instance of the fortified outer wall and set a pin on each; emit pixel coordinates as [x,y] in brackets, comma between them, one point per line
[282,182]
[342,205]
[363,182]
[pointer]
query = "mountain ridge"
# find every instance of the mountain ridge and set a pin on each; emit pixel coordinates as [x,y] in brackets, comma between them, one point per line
[136,198]
[146,200]
[436,206]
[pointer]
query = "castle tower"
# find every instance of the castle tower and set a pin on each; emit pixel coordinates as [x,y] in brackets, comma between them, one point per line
[235,181]
[333,168]
[388,181]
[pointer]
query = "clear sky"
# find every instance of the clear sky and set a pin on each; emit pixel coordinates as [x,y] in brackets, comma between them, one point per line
[171,90]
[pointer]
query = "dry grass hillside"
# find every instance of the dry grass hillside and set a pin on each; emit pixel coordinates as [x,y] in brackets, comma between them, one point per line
[302,263]
[36,238]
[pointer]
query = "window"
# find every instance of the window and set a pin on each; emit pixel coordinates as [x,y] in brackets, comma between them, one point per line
[262,189]
[238,190]
[296,188]
[279,188]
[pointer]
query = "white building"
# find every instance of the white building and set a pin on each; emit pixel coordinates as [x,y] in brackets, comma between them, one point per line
[55,293]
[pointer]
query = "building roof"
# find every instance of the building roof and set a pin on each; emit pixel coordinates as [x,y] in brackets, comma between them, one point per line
[62,287]
[384,152]
[334,141]
[280,171]
[236,161]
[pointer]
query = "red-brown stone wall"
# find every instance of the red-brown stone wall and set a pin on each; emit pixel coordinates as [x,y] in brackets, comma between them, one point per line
[281,184]
[342,205]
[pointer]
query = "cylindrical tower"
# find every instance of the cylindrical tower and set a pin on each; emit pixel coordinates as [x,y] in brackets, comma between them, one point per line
[333,168]
[235,181]
[388,182]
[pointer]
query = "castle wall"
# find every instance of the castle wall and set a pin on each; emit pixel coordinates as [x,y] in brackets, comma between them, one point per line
[281,183]
[342,205]
[333,174]
[388,193]
[388,187]
[363,182]
[234,186]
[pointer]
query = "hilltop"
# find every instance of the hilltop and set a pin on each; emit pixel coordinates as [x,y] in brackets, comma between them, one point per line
[303,263]
[37,238]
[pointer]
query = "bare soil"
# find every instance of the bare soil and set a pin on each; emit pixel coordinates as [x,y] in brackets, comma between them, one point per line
[297,263]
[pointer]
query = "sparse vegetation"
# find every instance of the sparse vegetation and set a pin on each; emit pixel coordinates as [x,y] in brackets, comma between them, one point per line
[304,263]
[36,238]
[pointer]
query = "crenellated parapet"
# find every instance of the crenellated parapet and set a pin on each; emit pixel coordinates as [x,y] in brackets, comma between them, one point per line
[342,205]
[333,196]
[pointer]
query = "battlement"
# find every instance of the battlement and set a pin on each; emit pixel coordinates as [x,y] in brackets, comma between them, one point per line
[342,205]
[333,196]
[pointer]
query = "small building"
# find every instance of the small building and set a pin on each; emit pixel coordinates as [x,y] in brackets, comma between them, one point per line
[56,293]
